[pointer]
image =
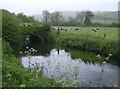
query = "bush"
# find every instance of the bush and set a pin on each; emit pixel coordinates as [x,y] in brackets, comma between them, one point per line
[10,28]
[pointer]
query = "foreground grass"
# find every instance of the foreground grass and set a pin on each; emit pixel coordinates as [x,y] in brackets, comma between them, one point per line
[14,75]
[103,42]
[0,63]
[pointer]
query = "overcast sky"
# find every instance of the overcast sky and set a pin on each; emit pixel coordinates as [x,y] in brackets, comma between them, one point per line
[31,7]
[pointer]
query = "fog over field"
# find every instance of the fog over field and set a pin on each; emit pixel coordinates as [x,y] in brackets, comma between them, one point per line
[31,7]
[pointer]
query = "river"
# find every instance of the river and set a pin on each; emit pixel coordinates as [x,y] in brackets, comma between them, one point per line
[58,63]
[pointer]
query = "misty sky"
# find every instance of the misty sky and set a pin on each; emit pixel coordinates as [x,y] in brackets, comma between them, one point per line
[31,7]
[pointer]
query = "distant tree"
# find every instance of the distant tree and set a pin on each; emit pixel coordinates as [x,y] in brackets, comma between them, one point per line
[46,16]
[52,17]
[71,19]
[22,17]
[87,17]
[56,17]
[80,15]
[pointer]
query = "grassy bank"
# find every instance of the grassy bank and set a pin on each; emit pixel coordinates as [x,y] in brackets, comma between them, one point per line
[104,42]
[14,75]
[87,57]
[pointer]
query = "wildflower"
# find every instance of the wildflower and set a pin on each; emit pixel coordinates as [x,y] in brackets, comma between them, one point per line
[104,62]
[110,54]
[25,52]
[27,47]
[38,71]
[98,55]
[44,86]
[107,58]
[8,75]
[30,50]
[20,52]
[27,39]
[35,50]
[22,85]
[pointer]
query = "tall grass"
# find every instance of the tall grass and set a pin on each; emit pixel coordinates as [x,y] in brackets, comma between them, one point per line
[0,63]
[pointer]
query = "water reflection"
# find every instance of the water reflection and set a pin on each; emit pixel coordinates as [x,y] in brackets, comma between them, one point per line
[60,65]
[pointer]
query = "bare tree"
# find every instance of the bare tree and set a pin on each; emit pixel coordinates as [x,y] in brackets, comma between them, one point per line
[56,17]
[87,18]
[46,16]
[80,15]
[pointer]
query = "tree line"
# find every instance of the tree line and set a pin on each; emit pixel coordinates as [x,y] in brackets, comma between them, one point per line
[56,17]
[83,18]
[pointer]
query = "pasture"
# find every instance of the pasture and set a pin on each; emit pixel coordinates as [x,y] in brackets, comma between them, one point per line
[107,21]
[103,42]
[111,32]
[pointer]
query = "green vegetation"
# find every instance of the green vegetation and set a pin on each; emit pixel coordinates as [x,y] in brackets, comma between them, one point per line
[10,31]
[103,42]
[85,56]
[25,18]
[0,63]
[14,75]
[75,18]
[16,29]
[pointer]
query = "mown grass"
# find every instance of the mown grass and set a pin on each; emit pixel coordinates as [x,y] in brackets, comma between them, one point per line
[103,42]
[107,21]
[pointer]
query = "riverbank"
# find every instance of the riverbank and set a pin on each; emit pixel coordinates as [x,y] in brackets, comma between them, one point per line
[104,42]
[15,75]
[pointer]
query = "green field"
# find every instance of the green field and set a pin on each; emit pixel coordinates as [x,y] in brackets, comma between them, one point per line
[111,33]
[107,21]
[103,42]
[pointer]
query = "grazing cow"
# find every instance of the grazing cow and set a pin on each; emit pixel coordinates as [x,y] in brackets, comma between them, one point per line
[69,28]
[61,28]
[95,29]
[77,29]
[52,28]
[65,29]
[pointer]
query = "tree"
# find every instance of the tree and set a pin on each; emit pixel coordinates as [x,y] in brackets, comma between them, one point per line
[71,19]
[80,15]
[87,17]
[56,17]
[46,16]
[10,28]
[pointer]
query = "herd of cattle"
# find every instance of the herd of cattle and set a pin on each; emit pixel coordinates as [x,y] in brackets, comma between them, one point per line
[66,29]
[63,28]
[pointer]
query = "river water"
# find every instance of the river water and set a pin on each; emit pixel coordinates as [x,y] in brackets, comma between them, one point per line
[60,65]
